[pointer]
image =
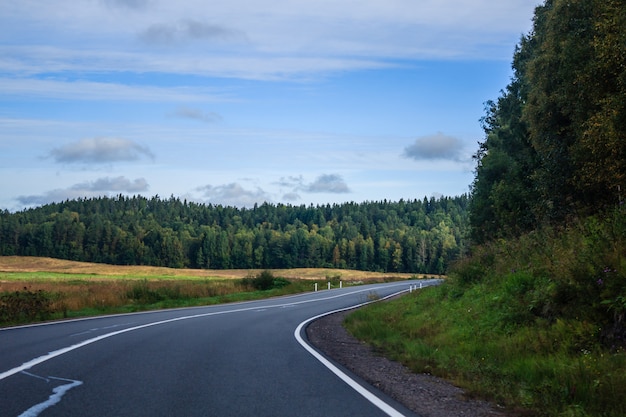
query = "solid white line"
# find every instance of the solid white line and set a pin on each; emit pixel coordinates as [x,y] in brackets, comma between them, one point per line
[386,408]
[62,351]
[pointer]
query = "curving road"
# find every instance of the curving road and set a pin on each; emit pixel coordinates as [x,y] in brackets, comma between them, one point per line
[244,359]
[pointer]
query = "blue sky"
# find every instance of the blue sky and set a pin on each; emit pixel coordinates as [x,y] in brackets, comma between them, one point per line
[284,101]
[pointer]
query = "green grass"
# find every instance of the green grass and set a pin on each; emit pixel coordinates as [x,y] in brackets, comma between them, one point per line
[543,367]
[535,324]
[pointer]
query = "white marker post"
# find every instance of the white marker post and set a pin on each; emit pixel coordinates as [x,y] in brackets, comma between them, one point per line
[329,285]
[316,287]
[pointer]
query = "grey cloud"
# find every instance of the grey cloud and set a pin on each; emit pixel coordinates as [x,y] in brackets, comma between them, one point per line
[57,195]
[291,197]
[328,183]
[291,181]
[199,115]
[127,4]
[438,146]
[114,184]
[184,30]
[101,186]
[100,150]
[233,194]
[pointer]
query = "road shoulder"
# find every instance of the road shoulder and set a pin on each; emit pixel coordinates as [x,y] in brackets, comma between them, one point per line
[426,395]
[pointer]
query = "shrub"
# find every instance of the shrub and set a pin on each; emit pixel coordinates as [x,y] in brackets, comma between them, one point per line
[25,305]
[265,281]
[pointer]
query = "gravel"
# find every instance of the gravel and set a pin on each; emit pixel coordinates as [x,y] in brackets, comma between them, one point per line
[426,395]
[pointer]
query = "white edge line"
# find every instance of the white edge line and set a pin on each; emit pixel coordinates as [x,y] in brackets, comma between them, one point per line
[388,409]
[62,351]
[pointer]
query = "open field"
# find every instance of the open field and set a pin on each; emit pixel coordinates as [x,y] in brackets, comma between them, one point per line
[36,267]
[35,289]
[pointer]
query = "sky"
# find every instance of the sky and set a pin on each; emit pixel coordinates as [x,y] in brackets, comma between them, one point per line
[248,101]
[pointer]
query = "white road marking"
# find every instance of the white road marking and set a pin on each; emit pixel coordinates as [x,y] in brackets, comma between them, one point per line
[62,351]
[95,329]
[383,406]
[59,391]
[55,397]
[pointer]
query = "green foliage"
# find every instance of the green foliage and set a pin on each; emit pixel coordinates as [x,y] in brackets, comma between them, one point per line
[555,141]
[536,322]
[490,339]
[406,236]
[265,281]
[25,306]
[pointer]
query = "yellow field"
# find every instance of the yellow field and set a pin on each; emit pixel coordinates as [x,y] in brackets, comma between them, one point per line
[73,288]
[16,264]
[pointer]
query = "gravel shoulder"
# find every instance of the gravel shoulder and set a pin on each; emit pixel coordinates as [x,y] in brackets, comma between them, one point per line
[426,395]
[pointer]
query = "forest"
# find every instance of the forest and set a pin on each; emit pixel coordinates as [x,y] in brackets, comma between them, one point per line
[555,140]
[535,316]
[419,236]
[548,195]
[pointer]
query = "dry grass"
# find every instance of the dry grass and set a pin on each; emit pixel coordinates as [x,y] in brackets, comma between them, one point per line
[89,288]
[16,264]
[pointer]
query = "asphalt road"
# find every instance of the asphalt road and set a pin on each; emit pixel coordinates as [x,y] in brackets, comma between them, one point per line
[244,359]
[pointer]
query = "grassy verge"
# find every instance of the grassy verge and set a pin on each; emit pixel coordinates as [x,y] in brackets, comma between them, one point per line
[38,289]
[38,300]
[536,325]
[544,368]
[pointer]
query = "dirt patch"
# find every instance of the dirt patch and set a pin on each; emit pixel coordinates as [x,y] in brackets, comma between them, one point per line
[426,395]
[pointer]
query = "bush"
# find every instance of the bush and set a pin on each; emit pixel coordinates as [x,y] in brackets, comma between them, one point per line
[265,281]
[25,306]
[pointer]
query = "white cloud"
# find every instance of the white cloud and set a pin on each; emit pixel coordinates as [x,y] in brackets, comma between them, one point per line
[96,91]
[189,30]
[185,112]
[289,38]
[233,194]
[100,150]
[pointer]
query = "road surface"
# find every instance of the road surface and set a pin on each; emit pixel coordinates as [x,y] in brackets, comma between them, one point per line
[243,359]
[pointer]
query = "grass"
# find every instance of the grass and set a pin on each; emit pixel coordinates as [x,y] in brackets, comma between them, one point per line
[69,269]
[36,289]
[547,369]
[535,324]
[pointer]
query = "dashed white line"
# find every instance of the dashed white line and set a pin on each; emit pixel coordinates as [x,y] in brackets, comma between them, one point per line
[59,391]
[62,351]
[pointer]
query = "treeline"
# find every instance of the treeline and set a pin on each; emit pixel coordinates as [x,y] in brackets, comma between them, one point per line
[419,236]
[555,140]
[547,201]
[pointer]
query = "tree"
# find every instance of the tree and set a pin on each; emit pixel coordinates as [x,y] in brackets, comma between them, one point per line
[555,140]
